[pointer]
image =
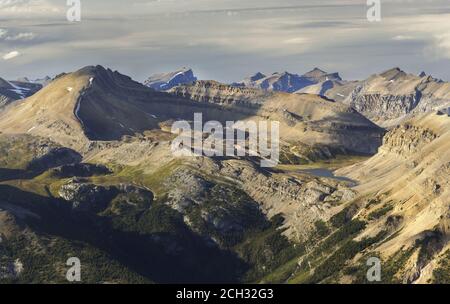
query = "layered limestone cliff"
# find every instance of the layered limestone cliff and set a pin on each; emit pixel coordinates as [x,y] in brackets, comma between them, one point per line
[305,119]
[408,181]
[390,97]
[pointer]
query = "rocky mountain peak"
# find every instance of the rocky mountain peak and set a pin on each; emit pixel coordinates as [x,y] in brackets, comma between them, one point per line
[105,78]
[315,72]
[393,74]
[286,73]
[319,70]
[92,70]
[166,81]
[286,81]
[318,75]
[93,103]
[257,76]
[394,95]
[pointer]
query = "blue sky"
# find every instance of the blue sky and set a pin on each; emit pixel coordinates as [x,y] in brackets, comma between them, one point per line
[224,40]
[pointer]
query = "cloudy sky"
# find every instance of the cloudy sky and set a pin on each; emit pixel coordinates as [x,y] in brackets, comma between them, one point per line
[224,40]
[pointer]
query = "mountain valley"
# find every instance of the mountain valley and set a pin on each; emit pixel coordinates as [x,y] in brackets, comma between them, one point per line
[87,170]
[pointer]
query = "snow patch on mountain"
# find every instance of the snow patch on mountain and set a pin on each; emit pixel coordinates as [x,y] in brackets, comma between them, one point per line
[166,81]
[21,91]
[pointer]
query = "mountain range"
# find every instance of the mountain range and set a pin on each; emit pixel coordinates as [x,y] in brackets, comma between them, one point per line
[390,97]
[15,90]
[287,82]
[386,98]
[86,170]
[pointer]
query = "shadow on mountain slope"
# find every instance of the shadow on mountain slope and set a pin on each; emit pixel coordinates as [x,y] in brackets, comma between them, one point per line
[173,255]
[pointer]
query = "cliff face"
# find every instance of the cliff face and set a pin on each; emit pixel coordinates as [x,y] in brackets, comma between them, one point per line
[405,140]
[305,119]
[409,190]
[391,96]
[218,93]
[383,106]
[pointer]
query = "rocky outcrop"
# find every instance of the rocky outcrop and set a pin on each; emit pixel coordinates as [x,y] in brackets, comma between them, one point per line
[221,213]
[189,191]
[192,192]
[88,197]
[406,140]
